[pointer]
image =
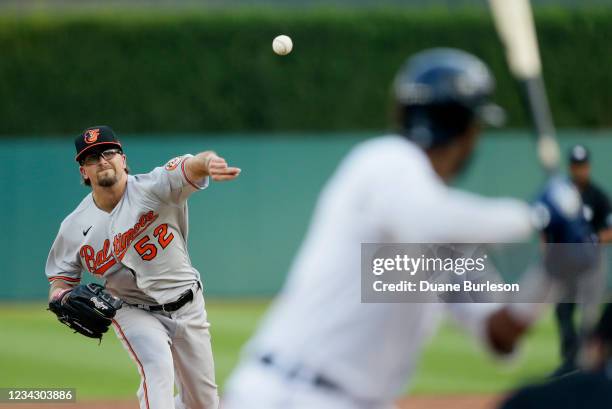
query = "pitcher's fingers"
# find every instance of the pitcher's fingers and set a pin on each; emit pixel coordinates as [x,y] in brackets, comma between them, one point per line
[221,178]
[225,171]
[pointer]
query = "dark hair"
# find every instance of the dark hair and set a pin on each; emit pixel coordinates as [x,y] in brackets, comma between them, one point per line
[444,121]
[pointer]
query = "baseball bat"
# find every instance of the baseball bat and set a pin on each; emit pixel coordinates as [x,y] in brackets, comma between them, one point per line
[514,23]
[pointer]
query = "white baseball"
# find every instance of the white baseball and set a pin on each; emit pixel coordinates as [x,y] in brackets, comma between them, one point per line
[282,45]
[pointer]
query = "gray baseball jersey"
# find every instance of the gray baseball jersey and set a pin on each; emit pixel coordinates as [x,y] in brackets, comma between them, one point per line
[140,248]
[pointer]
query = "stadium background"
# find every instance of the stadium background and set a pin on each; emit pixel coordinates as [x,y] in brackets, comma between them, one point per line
[177,77]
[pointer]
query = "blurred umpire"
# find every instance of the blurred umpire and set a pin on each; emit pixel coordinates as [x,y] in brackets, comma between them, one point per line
[589,389]
[597,211]
[596,203]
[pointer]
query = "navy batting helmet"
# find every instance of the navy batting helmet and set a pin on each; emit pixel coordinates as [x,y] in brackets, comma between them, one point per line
[440,93]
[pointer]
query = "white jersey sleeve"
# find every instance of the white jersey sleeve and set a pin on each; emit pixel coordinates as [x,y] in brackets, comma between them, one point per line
[420,207]
[170,183]
[459,216]
[63,262]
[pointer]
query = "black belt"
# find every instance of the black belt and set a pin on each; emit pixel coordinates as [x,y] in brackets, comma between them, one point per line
[317,380]
[183,299]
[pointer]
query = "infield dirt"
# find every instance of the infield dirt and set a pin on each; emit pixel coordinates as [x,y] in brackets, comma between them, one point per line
[413,402]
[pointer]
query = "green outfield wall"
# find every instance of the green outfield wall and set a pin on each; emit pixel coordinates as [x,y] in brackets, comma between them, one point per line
[243,234]
[210,71]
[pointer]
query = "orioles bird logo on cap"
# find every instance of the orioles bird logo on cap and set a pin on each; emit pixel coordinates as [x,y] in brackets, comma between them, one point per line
[91,135]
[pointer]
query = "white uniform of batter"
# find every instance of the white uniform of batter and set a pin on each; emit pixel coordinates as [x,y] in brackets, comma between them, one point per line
[140,250]
[319,346]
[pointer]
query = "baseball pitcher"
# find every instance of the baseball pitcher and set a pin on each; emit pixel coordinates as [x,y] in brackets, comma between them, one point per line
[131,231]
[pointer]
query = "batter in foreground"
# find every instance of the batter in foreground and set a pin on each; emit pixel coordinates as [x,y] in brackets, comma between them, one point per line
[320,346]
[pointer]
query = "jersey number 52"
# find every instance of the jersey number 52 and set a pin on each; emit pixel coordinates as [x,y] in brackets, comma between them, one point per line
[147,250]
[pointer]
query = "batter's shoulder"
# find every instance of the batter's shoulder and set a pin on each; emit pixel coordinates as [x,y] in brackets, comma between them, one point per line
[392,152]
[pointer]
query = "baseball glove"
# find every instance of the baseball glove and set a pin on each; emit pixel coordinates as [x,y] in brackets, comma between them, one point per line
[87,309]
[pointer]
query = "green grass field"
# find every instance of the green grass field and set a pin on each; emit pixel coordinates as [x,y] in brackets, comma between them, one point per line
[36,351]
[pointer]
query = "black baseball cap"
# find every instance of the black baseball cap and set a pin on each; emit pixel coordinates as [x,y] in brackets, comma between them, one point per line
[579,154]
[95,138]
